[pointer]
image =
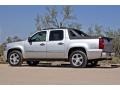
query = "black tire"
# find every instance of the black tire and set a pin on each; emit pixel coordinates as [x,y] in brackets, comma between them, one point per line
[17,56]
[32,63]
[83,61]
[92,63]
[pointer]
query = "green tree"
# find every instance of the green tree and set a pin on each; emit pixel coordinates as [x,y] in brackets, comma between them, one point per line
[38,23]
[116,42]
[8,40]
[15,39]
[12,39]
[109,32]
[56,19]
[98,30]
[90,31]
[1,50]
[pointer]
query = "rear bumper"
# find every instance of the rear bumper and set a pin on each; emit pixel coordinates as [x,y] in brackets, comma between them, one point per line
[107,55]
[99,54]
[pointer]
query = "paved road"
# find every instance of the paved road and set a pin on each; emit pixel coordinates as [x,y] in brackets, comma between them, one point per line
[58,75]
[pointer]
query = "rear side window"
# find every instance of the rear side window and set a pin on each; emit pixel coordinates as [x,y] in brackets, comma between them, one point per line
[56,35]
[76,34]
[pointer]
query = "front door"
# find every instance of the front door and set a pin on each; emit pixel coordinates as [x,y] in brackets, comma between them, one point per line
[55,44]
[36,48]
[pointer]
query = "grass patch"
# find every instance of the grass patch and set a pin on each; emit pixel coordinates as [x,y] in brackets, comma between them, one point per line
[115,60]
[2,60]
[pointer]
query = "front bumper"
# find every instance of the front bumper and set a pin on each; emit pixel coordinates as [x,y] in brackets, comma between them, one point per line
[5,56]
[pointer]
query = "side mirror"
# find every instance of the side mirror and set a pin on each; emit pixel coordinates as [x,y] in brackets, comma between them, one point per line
[29,39]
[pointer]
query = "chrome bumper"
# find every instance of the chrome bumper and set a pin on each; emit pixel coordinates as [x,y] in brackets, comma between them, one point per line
[99,54]
[107,55]
[5,56]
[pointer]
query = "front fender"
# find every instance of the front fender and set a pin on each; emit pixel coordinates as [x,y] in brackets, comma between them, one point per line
[14,46]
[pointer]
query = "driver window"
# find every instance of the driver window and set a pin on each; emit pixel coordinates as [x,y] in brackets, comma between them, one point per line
[38,37]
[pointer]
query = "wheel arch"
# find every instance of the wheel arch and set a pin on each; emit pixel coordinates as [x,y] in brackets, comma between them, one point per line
[77,48]
[12,49]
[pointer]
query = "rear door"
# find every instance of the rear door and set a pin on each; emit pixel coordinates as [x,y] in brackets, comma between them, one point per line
[56,44]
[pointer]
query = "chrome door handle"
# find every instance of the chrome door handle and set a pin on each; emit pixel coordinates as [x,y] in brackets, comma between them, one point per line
[60,43]
[42,44]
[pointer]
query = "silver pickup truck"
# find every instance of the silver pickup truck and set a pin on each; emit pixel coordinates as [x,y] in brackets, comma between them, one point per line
[65,44]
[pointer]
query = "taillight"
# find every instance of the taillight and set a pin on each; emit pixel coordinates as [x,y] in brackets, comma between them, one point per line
[101,43]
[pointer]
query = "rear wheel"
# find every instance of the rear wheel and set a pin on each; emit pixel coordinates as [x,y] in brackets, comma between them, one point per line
[15,58]
[32,63]
[78,59]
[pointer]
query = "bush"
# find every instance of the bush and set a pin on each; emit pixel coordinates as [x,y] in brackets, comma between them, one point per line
[116,46]
[115,60]
[1,60]
[1,54]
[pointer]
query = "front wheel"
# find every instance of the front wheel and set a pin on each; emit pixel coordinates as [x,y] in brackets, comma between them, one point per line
[15,58]
[32,63]
[78,59]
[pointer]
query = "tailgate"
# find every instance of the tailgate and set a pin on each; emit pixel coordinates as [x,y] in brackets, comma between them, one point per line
[108,46]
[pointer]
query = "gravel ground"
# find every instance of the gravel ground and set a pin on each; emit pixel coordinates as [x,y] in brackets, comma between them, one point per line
[55,75]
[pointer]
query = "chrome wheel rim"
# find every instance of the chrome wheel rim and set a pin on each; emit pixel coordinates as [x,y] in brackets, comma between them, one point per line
[77,59]
[14,58]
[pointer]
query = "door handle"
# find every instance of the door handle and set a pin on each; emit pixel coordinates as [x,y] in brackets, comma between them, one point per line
[60,43]
[42,44]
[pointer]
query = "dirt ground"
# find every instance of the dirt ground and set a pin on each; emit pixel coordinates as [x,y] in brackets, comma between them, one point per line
[55,75]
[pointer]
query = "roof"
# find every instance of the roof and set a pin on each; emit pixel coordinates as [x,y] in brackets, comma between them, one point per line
[55,28]
[60,28]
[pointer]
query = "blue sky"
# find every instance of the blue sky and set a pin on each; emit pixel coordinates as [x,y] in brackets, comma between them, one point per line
[19,20]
